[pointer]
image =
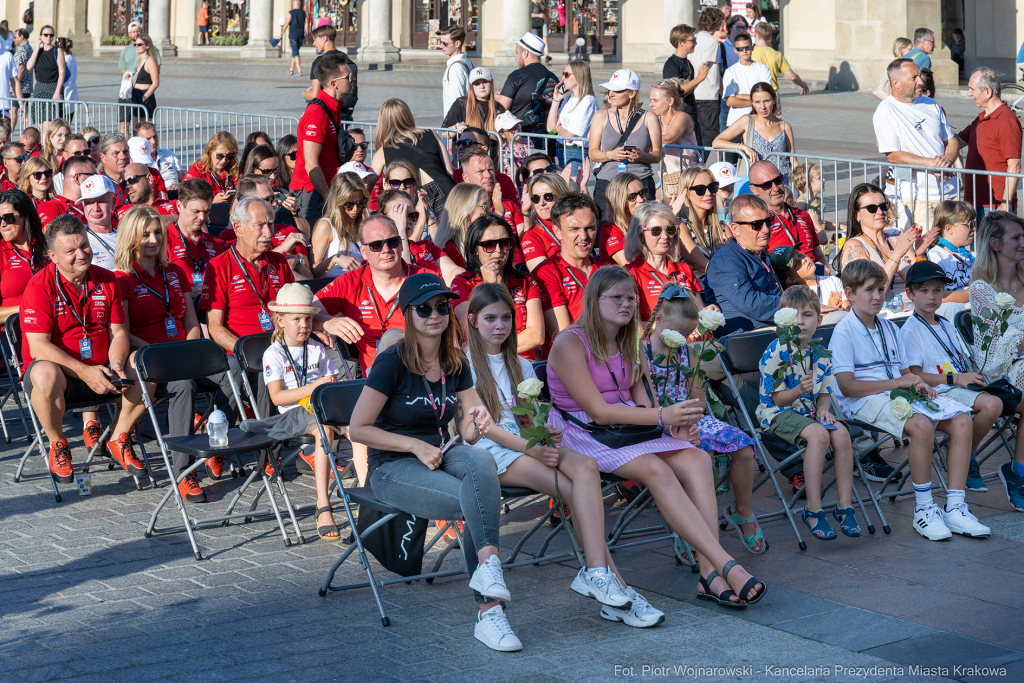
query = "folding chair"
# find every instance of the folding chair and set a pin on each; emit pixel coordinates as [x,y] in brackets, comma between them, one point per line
[162,363]
[12,333]
[11,354]
[741,358]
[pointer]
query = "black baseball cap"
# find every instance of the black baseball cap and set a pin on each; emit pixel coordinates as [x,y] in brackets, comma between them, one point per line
[782,258]
[421,288]
[924,271]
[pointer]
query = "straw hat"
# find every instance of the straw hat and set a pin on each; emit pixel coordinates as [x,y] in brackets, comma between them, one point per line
[293,298]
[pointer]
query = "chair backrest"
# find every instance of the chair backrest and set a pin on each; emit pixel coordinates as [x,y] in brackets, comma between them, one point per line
[220,214]
[249,350]
[898,322]
[541,370]
[333,403]
[964,326]
[824,333]
[743,351]
[316,284]
[177,360]
[12,330]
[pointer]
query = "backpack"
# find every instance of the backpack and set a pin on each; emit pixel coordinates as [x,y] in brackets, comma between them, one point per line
[535,114]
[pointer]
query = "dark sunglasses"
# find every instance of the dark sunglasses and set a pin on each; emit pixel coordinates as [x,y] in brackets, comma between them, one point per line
[131,180]
[291,155]
[873,208]
[351,205]
[362,145]
[229,157]
[9,218]
[377,246]
[546,169]
[489,246]
[765,186]
[699,190]
[93,141]
[45,173]
[47,35]
[267,171]
[408,183]
[670,230]
[22,159]
[748,48]
[425,310]
[412,216]
[468,143]
[641,193]
[547,196]
[140,44]
[757,225]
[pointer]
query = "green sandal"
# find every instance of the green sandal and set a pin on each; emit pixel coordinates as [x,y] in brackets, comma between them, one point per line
[756,543]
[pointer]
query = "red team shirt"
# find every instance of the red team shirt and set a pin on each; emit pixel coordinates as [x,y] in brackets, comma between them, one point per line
[613,240]
[6,184]
[147,312]
[281,233]
[353,295]
[426,255]
[540,241]
[507,185]
[793,222]
[192,256]
[15,272]
[164,207]
[226,288]
[316,126]
[562,285]
[523,289]
[58,206]
[650,283]
[43,311]
[219,184]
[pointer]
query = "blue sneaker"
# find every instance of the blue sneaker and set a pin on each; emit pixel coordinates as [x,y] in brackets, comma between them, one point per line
[1014,485]
[974,480]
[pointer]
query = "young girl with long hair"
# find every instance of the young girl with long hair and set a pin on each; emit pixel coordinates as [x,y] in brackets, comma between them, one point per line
[478,108]
[336,235]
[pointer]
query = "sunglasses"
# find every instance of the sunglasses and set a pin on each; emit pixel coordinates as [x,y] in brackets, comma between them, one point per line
[22,159]
[351,205]
[566,74]
[291,155]
[267,171]
[444,44]
[548,197]
[873,208]
[767,185]
[229,157]
[699,190]
[641,193]
[748,48]
[757,225]
[9,218]
[407,184]
[47,35]
[46,173]
[377,246]
[670,230]
[971,225]
[546,169]
[93,141]
[468,143]
[131,180]
[425,310]
[139,44]
[489,246]
[362,145]
[412,216]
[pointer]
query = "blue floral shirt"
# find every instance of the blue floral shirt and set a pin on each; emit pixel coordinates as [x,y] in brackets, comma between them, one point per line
[771,360]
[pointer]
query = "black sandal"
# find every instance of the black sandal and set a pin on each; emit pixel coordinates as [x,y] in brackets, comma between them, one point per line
[751,582]
[321,530]
[722,598]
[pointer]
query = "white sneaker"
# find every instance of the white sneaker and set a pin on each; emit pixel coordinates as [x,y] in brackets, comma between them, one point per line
[488,581]
[640,614]
[492,630]
[602,585]
[961,521]
[928,522]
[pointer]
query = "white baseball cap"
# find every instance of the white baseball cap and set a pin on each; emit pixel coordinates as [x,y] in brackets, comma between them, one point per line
[140,151]
[95,186]
[481,73]
[531,42]
[506,120]
[725,173]
[134,24]
[623,79]
[355,167]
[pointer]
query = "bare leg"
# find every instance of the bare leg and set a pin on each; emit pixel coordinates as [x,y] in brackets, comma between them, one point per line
[359,459]
[322,475]
[817,439]
[989,408]
[741,474]
[922,439]
[842,465]
[958,455]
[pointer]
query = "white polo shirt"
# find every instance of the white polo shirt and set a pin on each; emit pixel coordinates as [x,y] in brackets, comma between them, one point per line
[865,353]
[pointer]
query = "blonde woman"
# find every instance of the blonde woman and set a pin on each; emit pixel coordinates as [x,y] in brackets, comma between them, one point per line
[625,193]
[676,129]
[397,137]
[36,180]
[336,235]
[573,106]
[57,133]
[696,207]
[539,241]
[218,166]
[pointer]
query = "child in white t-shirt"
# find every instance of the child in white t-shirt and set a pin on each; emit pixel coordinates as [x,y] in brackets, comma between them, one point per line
[793,267]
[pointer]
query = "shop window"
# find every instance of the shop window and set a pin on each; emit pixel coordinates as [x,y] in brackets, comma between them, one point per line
[596,21]
[428,16]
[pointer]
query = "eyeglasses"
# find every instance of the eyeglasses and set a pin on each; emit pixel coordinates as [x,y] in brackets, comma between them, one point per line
[47,35]
[222,157]
[291,155]
[425,310]
[362,145]
[406,184]
[758,225]
[489,246]
[9,218]
[641,193]
[131,180]
[670,230]
[22,159]
[546,169]
[970,225]
[348,206]
[748,48]
[468,143]
[873,208]
[767,185]
[377,246]
[45,173]
[619,299]
[548,197]
[93,140]
[699,190]
[267,171]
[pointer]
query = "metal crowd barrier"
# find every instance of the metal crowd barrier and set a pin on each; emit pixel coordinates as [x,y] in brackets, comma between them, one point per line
[105,117]
[186,131]
[370,128]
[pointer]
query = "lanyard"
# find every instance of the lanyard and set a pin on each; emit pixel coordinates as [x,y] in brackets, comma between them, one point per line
[575,278]
[768,268]
[31,265]
[197,266]
[74,210]
[248,278]
[618,389]
[548,230]
[85,310]
[885,346]
[703,241]
[657,276]
[100,240]
[391,311]
[952,351]
[166,298]
[220,187]
[299,381]
[778,218]
[433,403]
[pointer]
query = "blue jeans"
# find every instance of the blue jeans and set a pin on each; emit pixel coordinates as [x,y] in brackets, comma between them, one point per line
[570,156]
[466,484]
[294,43]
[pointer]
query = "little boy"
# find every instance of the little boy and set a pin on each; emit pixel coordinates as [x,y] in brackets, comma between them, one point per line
[793,267]
[867,365]
[799,411]
[929,348]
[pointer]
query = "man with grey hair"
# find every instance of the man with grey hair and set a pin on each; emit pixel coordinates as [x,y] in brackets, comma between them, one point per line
[114,158]
[911,129]
[924,45]
[993,142]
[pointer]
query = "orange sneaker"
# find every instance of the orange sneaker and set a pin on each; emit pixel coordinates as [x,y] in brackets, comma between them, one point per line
[190,490]
[305,464]
[556,518]
[215,467]
[450,534]
[121,449]
[59,462]
[269,467]
[196,420]
[91,434]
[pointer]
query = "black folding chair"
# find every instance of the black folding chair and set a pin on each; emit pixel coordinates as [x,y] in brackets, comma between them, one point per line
[12,355]
[162,363]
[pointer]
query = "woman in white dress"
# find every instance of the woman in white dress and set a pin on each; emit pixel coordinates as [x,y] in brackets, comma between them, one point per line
[336,235]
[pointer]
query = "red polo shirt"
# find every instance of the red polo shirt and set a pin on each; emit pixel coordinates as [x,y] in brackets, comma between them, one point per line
[651,282]
[426,255]
[6,184]
[242,290]
[147,311]
[613,240]
[192,256]
[164,207]
[219,183]
[523,289]
[281,233]
[15,271]
[353,295]
[992,139]
[58,206]
[156,182]
[316,126]
[44,311]
[793,222]
[540,241]
[562,285]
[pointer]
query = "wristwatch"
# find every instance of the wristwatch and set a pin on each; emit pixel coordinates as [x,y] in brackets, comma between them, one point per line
[949,378]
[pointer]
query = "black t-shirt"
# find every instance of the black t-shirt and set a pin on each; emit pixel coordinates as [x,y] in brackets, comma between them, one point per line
[297,25]
[457,112]
[681,68]
[520,88]
[348,102]
[407,410]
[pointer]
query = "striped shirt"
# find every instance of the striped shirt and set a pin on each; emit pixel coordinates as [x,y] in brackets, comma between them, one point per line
[868,354]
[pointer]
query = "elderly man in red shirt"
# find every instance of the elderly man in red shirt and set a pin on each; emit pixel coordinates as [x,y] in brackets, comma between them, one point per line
[76,345]
[791,226]
[137,183]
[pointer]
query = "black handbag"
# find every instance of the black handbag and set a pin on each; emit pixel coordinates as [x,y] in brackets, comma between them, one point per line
[1010,395]
[619,436]
[398,544]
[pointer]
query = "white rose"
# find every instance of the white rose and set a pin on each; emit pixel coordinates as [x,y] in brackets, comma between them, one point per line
[672,339]
[530,388]
[900,407]
[785,317]
[711,320]
[1005,301]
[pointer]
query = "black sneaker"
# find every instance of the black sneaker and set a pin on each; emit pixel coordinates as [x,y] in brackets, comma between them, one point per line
[875,468]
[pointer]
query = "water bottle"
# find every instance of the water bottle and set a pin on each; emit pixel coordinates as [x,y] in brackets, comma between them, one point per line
[217,428]
[721,469]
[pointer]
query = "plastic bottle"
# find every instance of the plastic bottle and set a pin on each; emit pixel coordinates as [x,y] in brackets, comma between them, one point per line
[217,428]
[722,468]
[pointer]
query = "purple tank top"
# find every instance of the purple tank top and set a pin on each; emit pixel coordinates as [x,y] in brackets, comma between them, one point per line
[602,378]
